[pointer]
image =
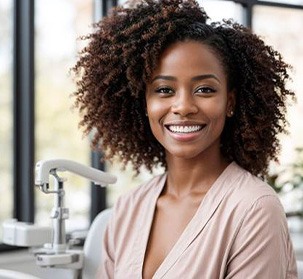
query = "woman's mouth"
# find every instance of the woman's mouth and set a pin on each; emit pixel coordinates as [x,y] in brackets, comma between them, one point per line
[184,129]
[185,132]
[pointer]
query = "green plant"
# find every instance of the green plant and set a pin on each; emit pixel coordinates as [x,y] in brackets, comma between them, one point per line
[294,175]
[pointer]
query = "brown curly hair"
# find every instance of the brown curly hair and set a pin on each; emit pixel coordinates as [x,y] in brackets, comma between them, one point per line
[120,58]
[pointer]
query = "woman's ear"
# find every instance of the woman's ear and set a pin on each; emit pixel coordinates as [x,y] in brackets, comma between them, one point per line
[231,103]
[145,107]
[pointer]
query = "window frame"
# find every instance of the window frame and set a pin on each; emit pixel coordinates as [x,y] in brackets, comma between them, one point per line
[248,6]
[23,110]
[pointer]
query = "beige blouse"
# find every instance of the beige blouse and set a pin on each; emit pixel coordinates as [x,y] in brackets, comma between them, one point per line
[239,231]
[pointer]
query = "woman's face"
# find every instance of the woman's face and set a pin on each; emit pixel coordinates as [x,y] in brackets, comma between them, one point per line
[187,100]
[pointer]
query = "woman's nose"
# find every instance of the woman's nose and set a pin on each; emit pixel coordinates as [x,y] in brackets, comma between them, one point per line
[184,104]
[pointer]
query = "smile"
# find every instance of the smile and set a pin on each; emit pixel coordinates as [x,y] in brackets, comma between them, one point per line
[185,129]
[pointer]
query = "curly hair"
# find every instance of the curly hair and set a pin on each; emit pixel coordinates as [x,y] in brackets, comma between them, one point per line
[123,52]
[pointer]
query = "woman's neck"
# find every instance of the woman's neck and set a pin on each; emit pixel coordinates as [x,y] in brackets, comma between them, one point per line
[192,176]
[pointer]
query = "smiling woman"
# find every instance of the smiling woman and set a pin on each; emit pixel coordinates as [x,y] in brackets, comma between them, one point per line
[159,85]
[187,101]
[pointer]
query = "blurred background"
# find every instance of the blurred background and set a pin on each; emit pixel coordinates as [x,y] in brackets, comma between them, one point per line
[38,46]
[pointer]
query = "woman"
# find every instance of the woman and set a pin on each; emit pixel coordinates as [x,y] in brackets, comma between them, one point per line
[160,86]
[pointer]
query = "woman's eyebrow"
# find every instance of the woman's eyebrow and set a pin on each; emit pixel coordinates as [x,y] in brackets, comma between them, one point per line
[164,77]
[207,76]
[196,78]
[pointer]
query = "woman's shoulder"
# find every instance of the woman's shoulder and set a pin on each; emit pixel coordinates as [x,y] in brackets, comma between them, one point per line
[248,185]
[249,190]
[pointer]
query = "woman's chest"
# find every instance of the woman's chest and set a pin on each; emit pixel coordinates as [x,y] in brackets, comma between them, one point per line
[170,220]
[197,246]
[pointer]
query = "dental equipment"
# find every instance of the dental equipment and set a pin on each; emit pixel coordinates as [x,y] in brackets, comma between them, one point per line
[45,167]
[57,253]
[24,234]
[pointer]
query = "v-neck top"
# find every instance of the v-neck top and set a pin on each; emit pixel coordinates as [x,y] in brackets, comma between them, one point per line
[238,231]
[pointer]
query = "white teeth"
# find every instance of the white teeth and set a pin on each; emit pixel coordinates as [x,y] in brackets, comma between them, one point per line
[184,129]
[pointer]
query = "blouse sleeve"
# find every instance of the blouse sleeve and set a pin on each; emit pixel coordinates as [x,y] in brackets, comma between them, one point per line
[106,268]
[262,248]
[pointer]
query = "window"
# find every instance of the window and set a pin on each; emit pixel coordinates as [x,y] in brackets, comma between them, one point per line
[218,10]
[35,106]
[6,109]
[285,36]
[58,25]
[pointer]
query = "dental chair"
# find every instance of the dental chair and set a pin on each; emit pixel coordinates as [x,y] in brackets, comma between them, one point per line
[93,243]
[300,269]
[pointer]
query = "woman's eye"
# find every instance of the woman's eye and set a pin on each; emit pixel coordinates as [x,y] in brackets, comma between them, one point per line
[164,90]
[205,89]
